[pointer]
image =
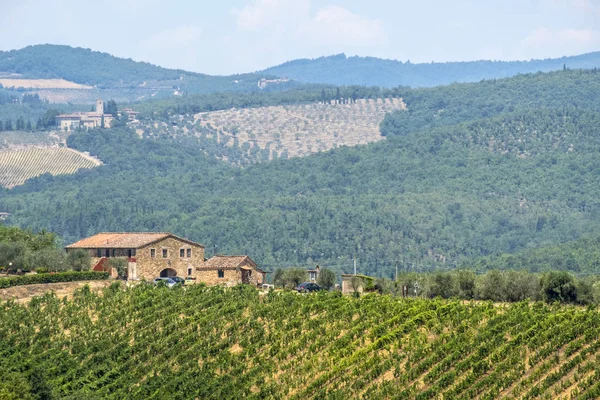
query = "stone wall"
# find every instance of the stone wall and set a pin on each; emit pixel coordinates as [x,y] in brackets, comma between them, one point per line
[348,288]
[149,267]
[231,277]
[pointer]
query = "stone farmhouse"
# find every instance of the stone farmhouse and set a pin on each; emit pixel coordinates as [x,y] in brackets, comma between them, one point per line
[230,270]
[86,120]
[160,254]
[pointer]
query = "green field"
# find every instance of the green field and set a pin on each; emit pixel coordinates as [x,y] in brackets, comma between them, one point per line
[196,342]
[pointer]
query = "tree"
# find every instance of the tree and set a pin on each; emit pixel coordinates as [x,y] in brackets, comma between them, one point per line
[79,260]
[357,285]
[29,128]
[49,118]
[294,276]
[12,256]
[441,284]
[466,284]
[1,126]
[119,264]
[50,259]
[8,125]
[559,286]
[491,286]
[326,278]
[111,108]
[278,277]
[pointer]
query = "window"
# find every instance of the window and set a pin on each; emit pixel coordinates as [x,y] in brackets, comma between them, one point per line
[189,253]
[189,271]
[181,253]
[165,253]
[106,253]
[99,253]
[221,273]
[152,253]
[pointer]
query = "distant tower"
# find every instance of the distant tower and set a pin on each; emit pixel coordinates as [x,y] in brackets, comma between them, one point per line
[99,106]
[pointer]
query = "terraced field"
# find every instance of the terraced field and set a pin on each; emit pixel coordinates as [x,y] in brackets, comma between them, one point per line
[16,166]
[197,342]
[286,131]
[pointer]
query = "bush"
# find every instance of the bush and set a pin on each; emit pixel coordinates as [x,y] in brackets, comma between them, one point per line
[52,278]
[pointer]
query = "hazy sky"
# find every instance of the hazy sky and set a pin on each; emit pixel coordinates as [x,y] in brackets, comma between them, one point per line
[223,37]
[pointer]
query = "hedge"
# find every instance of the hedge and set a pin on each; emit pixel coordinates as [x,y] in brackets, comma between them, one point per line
[53,278]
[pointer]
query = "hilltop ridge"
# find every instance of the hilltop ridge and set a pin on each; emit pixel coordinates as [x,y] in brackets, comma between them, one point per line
[371,71]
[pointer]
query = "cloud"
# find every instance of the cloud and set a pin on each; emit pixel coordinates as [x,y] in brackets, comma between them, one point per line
[576,37]
[176,47]
[178,37]
[587,6]
[337,26]
[262,14]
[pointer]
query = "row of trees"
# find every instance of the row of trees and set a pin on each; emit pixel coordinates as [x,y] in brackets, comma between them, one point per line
[496,285]
[289,278]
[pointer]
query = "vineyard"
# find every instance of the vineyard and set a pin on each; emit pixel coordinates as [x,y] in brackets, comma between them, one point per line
[263,133]
[16,166]
[197,342]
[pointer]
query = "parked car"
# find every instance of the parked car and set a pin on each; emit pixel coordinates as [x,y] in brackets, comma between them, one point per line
[166,281]
[190,280]
[307,287]
[178,279]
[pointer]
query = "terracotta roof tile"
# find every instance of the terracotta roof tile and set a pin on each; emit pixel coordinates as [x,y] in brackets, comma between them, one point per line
[226,262]
[123,240]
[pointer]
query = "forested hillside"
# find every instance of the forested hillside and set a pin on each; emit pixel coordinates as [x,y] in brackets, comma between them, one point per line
[483,174]
[215,343]
[105,71]
[370,71]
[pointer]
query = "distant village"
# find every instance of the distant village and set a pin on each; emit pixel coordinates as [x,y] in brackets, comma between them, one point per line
[90,120]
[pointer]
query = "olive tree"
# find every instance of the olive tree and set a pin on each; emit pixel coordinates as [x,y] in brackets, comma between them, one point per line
[326,278]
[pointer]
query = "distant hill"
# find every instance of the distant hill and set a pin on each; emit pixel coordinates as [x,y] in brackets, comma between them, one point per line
[111,77]
[370,71]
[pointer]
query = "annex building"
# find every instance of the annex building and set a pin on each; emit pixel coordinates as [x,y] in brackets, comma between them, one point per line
[162,254]
[86,120]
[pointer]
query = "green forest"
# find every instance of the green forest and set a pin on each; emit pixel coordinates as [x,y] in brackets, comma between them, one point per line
[370,71]
[469,171]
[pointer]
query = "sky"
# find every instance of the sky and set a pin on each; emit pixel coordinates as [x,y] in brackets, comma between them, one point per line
[225,37]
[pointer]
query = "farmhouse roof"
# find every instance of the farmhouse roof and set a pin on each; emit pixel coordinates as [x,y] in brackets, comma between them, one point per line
[227,262]
[124,240]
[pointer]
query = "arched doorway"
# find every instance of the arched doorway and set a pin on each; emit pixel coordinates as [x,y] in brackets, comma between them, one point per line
[167,273]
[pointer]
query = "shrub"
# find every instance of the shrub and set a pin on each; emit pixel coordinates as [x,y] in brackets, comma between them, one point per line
[52,278]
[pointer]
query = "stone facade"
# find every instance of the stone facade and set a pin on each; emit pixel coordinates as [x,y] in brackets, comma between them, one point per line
[149,267]
[149,255]
[230,271]
[348,287]
[231,277]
